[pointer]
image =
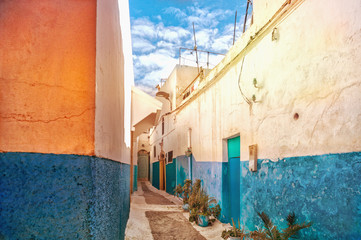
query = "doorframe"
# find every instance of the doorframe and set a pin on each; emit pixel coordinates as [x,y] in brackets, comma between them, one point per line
[225,178]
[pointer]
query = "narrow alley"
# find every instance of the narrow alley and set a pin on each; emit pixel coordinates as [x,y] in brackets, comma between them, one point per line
[157,215]
[176,119]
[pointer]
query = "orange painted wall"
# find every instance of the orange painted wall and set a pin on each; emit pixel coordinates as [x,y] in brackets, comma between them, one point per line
[47,76]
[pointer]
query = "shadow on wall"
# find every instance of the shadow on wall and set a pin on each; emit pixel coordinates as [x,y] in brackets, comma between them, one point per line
[49,196]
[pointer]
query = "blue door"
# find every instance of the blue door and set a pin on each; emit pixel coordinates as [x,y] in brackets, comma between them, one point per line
[234,178]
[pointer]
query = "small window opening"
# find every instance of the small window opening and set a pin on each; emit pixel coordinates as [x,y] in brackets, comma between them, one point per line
[170,157]
[162,126]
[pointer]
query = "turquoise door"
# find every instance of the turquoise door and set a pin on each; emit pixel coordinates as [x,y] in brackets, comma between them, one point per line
[143,166]
[234,178]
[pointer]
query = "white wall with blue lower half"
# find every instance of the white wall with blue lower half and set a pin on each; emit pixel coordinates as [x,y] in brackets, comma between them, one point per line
[321,188]
[305,119]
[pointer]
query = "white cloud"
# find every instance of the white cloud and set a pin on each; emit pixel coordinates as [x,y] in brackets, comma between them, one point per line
[173,34]
[205,37]
[142,45]
[176,11]
[166,45]
[223,43]
[154,66]
[148,89]
[144,28]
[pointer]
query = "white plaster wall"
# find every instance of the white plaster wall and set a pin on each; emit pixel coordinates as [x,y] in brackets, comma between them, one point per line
[143,105]
[110,80]
[185,75]
[178,80]
[128,66]
[263,10]
[313,69]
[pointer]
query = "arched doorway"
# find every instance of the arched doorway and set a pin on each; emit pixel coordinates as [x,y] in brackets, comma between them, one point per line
[143,165]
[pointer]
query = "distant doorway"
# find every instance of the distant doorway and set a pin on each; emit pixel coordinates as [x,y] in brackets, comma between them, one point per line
[162,170]
[233,148]
[143,165]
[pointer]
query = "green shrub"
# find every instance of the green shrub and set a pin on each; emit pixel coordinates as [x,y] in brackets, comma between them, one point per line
[272,232]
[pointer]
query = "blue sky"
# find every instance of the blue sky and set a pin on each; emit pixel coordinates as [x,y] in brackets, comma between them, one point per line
[160,27]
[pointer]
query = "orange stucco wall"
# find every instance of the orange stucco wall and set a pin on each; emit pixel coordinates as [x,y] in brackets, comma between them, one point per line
[47,76]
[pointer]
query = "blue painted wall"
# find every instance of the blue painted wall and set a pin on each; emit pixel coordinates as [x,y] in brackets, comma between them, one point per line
[48,196]
[182,169]
[135,178]
[211,175]
[324,189]
[171,176]
[155,174]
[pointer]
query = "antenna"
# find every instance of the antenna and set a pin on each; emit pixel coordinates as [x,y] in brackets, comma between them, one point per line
[235,24]
[195,47]
[245,17]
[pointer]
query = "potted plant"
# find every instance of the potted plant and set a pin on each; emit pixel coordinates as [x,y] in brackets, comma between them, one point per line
[235,233]
[186,192]
[194,201]
[203,210]
[208,209]
[202,207]
[178,191]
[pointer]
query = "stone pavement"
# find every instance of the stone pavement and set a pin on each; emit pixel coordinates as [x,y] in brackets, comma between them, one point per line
[155,214]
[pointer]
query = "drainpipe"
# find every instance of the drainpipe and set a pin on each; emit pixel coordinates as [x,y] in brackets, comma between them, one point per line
[189,145]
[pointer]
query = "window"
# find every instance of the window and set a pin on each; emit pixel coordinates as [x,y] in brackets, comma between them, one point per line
[163,126]
[170,157]
[155,151]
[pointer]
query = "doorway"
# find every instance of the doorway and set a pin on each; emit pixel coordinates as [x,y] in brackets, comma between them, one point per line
[143,165]
[233,149]
[162,170]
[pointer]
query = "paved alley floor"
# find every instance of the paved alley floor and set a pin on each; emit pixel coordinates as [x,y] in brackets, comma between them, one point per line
[155,214]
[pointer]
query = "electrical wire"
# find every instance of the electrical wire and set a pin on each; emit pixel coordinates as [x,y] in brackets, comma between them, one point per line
[239,85]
